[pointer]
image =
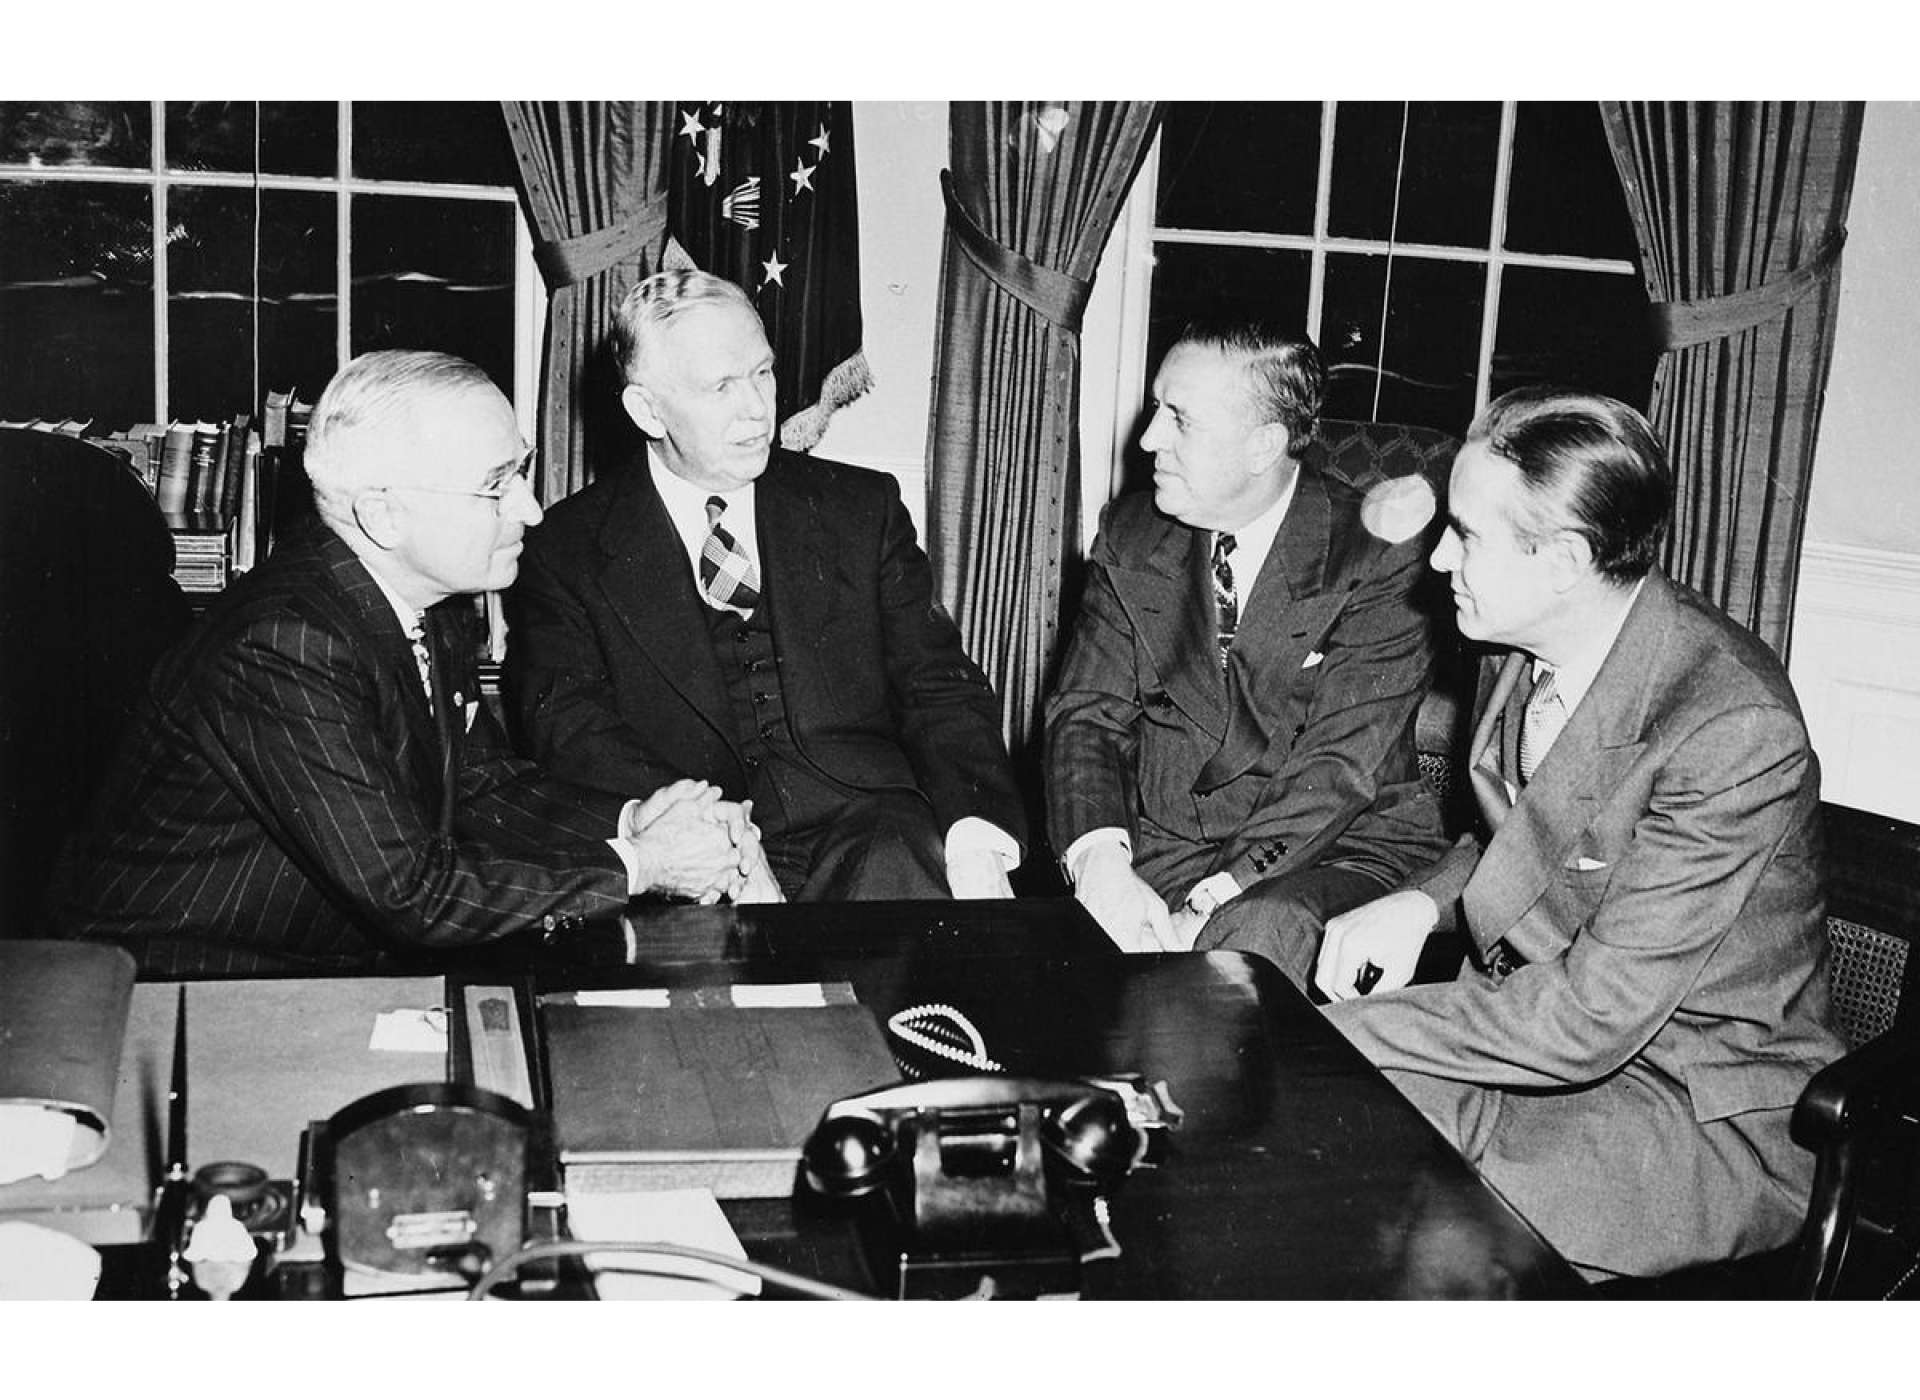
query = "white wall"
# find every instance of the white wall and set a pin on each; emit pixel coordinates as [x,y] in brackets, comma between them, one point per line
[899,150]
[1856,634]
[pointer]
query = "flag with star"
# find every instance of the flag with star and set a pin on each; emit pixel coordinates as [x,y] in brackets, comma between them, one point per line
[762,193]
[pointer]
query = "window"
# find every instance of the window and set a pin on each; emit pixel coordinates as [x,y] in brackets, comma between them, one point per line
[1439,253]
[174,260]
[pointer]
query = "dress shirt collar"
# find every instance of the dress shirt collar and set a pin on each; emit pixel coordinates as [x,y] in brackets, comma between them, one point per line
[1575,677]
[1253,542]
[686,506]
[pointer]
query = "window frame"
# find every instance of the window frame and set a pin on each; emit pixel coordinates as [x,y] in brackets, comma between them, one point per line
[1113,393]
[529,296]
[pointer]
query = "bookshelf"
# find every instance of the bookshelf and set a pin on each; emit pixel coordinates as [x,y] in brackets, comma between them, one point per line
[223,488]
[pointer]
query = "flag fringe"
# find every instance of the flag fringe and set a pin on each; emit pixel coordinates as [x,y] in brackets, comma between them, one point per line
[846,382]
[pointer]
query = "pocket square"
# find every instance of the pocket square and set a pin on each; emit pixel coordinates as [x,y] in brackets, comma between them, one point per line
[1314,658]
[1587,863]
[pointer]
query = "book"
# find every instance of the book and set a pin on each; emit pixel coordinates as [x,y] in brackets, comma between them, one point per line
[700,1088]
[235,463]
[176,468]
[203,468]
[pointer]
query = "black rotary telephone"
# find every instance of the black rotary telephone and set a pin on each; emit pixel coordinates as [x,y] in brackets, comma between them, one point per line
[991,1184]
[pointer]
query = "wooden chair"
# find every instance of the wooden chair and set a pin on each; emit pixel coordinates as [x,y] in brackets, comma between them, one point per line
[1860,1116]
[87,604]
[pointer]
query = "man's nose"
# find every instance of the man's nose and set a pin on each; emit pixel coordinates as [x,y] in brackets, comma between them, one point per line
[1446,554]
[521,504]
[1154,437]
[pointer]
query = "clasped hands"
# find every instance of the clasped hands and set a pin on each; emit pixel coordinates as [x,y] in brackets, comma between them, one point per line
[1374,948]
[692,842]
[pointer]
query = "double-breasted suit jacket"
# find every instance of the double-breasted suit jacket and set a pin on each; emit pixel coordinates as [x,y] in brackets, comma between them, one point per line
[287,799]
[617,683]
[1650,987]
[1301,754]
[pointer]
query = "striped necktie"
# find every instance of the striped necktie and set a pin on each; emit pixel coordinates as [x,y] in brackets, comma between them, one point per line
[727,576]
[1224,598]
[1545,717]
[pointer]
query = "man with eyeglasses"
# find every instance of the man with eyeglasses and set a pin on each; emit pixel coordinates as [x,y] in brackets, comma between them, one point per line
[312,784]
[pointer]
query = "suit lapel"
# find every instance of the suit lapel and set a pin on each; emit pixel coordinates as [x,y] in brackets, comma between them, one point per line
[1602,739]
[1280,620]
[648,585]
[798,560]
[1170,600]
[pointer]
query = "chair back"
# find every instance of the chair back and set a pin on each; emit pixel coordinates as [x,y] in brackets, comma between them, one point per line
[87,605]
[1861,1115]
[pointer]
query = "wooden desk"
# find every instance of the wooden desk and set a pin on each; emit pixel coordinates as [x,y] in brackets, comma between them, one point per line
[1299,1172]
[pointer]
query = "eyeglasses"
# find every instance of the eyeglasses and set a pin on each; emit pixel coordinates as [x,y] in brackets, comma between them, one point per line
[521,475]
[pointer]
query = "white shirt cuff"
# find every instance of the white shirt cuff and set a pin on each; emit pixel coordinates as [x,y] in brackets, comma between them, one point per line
[1077,853]
[971,834]
[1212,892]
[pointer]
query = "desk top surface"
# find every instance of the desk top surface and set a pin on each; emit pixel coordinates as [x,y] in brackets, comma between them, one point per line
[1298,1171]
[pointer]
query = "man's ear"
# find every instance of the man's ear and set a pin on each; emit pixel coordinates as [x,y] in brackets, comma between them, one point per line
[379,521]
[1570,554]
[642,409]
[1270,444]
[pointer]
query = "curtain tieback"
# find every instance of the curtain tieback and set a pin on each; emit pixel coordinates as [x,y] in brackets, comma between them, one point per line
[566,261]
[1061,298]
[1678,324]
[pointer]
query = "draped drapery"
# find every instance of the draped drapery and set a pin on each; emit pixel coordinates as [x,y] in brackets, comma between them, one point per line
[1034,190]
[1740,209]
[593,182]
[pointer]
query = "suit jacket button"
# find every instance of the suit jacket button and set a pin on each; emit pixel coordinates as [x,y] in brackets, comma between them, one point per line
[1298,730]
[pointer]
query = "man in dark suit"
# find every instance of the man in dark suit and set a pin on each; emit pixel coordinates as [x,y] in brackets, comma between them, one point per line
[311,783]
[1230,743]
[1648,989]
[725,610]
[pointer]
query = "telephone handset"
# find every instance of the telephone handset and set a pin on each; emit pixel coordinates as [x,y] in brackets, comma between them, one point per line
[974,1121]
[978,1180]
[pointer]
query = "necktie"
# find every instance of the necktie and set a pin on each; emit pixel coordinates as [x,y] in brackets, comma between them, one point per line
[727,576]
[1545,716]
[1223,594]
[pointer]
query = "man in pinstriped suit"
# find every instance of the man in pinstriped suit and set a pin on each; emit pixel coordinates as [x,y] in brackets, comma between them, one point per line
[310,784]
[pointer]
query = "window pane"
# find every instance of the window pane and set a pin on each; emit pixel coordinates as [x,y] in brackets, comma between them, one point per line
[76,302]
[1444,171]
[209,303]
[1239,165]
[462,143]
[1564,193]
[1586,330]
[435,274]
[299,308]
[296,138]
[1197,282]
[1426,376]
[76,133]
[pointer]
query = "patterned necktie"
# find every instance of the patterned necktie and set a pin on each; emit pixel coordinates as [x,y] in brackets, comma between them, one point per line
[727,576]
[1223,594]
[1545,717]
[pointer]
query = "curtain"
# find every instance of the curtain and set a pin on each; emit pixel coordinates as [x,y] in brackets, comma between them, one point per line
[763,194]
[1740,209]
[1034,190]
[593,182]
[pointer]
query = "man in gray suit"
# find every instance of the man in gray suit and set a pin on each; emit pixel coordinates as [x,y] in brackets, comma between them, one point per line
[1648,991]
